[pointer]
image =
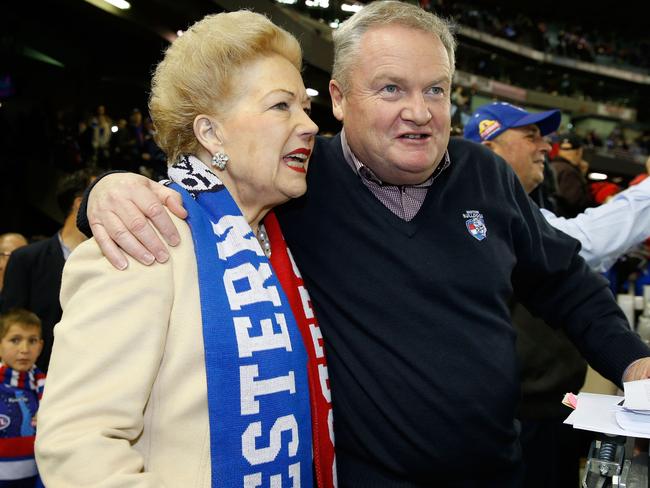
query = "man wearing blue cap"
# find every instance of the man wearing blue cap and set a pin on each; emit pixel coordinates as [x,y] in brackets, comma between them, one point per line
[550,363]
[518,137]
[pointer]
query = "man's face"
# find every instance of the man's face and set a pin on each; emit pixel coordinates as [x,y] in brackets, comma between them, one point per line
[525,150]
[8,245]
[396,112]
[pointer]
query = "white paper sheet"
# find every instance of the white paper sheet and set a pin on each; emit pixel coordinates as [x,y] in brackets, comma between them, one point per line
[597,413]
[637,395]
[633,422]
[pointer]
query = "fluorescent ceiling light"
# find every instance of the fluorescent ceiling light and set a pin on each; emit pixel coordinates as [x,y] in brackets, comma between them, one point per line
[121,4]
[288,2]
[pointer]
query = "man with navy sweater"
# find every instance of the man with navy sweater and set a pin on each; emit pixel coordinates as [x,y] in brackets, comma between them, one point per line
[412,246]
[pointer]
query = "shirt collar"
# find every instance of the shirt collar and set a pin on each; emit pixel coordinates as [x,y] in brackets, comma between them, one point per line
[365,173]
[64,249]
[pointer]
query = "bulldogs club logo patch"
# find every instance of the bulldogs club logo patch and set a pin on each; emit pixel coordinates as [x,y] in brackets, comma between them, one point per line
[475,224]
[488,127]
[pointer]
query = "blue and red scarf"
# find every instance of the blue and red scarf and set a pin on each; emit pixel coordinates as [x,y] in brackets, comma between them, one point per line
[20,393]
[257,370]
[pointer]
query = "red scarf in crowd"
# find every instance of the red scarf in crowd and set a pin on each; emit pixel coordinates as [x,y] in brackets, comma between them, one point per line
[321,408]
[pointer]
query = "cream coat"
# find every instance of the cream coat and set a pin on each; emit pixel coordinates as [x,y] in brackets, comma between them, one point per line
[125,402]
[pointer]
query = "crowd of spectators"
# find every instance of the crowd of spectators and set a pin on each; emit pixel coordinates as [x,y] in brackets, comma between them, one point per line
[99,140]
[618,143]
[564,36]
[559,37]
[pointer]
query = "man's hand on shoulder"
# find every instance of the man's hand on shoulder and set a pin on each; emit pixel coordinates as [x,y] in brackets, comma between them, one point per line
[124,208]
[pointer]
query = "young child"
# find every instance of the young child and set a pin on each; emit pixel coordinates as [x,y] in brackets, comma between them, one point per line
[21,387]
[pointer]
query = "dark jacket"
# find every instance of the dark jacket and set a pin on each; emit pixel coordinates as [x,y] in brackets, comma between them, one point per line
[33,281]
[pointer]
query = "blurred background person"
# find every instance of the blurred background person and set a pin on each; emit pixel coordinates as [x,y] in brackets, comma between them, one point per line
[101,136]
[9,242]
[572,195]
[33,272]
[154,161]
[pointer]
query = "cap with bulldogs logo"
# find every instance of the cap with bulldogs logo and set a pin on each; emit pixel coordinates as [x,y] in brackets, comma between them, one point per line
[492,119]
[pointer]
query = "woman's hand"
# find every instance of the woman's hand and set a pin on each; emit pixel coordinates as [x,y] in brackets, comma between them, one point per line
[124,208]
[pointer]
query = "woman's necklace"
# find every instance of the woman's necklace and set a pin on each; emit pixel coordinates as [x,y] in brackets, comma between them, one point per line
[263,239]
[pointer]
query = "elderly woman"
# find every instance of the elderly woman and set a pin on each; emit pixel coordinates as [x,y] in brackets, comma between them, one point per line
[197,373]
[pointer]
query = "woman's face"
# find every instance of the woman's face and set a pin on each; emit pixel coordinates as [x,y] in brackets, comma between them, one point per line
[267,134]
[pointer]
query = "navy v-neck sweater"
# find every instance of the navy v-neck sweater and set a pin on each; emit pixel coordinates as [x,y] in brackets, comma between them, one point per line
[416,322]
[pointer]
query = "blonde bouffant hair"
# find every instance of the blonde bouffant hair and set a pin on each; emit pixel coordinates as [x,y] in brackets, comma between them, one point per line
[198,74]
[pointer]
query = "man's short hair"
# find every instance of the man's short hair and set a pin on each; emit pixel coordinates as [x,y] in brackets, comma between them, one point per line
[72,186]
[380,13]
[21,317]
